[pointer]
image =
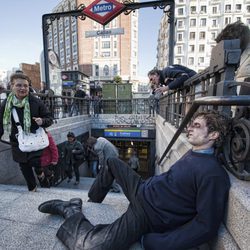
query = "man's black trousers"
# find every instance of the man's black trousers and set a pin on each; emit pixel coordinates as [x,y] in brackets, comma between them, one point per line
[78,233]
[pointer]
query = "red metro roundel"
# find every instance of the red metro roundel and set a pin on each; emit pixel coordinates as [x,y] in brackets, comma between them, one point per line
[103,11]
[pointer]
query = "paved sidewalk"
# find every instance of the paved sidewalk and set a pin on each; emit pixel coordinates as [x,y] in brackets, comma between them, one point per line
[23,227]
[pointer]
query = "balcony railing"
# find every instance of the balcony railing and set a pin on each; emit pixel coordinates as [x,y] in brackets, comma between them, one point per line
[62,106]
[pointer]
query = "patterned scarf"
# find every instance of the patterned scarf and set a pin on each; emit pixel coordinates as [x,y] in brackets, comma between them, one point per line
[13,101]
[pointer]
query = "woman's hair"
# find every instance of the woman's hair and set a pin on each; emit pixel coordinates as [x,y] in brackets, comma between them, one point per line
[19,75]
[216,121]
[237,30]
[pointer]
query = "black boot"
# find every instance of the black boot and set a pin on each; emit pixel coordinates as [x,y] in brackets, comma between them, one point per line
[63,208]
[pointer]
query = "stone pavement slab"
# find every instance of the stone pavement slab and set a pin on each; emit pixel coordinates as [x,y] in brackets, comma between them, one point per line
[22,226]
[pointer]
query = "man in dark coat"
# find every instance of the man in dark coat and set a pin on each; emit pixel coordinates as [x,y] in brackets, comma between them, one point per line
[179,209]
[73,156]
[171,77]
[77,104]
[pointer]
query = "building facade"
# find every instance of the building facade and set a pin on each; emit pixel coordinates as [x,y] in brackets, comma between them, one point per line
[163,43]
[101,57]
[198,22]
[33,71]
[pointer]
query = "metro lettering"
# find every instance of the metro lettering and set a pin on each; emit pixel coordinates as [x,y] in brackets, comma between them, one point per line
[106,7]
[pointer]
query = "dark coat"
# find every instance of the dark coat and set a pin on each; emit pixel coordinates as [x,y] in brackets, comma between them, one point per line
[37,109]
[79,94]
[178,73]
[70,158]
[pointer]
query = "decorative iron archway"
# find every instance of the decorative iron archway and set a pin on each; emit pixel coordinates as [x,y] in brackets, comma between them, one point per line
[168,7]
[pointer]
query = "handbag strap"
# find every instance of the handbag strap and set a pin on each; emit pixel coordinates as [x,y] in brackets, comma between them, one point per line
[15,116]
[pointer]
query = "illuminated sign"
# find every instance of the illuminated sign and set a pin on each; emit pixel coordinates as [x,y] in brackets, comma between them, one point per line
[68,83]
[125,133]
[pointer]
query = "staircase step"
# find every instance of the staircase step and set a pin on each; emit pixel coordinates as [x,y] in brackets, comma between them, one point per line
[22,226]
[84,183]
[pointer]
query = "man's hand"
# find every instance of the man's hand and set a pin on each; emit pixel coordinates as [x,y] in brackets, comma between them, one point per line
[162,89]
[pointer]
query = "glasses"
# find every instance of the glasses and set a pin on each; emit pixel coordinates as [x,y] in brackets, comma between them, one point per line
[19,86]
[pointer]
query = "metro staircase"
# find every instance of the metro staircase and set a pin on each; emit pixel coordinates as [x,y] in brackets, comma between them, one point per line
[22,226]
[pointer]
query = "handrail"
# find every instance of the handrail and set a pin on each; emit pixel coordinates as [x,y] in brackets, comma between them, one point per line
[5,142]
[208,100]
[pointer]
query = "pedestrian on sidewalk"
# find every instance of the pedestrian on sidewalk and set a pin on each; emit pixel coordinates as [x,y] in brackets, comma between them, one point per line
[153,101]
[73,156]
[133,162]
[93,161]
[77,105]
[97,105]
[104,150]
[32,114]
[49,160]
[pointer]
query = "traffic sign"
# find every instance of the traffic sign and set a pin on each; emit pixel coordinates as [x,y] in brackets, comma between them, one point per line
[103,11]
[104,32]
[64,77]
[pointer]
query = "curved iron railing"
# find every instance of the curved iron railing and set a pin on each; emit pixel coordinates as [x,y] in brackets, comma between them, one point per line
[229,151]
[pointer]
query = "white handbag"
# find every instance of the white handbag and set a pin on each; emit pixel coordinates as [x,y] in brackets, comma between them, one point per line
[29,142]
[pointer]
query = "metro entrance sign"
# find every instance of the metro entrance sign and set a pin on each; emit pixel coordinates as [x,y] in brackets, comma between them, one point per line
[103,11]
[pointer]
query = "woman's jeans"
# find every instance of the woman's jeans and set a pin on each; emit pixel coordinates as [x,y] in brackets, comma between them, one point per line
[94,168]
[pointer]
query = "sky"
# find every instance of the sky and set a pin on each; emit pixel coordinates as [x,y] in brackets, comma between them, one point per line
[21,33]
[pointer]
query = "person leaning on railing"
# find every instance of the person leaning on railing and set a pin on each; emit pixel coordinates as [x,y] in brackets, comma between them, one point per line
[171,77]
